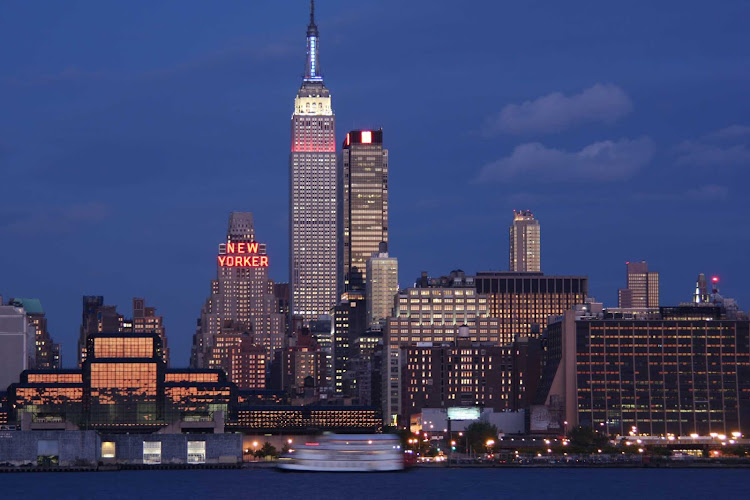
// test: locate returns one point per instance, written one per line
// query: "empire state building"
(312, 198)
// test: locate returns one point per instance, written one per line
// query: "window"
(108, 449)
(152, 452)
(196, 452)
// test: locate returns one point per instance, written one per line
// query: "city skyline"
(95, 252)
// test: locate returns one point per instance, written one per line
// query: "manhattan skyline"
(121, 161)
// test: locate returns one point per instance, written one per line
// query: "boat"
(347, 453)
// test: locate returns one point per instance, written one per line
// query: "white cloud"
(601, 161)
(602, 103)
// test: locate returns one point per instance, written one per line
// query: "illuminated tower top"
(312, 68)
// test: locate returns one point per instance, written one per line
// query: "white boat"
(347, 453)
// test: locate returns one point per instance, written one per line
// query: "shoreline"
(272, 465)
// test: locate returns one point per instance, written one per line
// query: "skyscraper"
(312, 183)
(17, 344)
(145, 320)
(47, 352)
(381, 285)
(98, 318)
(363, 205)
(643, 287)
(523, 302)
(240, 300)
(525, 246)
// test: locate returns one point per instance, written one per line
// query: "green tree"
(477, 435)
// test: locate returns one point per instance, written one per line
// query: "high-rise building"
(363, 205)
(430, 315)
(676, 370)
(17, 345)
(466, 373)
(47, 352)
(313, 192)
(145, 320)
(366, 364)
(248, 364)
(349, 322)
(525, 244)
(281, 296)
(322, 330)
(643, 287)
(381, 285)
(523, 302)
(241, 301)
(299, 368)
(98, 318)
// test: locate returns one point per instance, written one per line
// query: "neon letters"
(242, 254)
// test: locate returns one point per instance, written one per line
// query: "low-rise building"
(681, 370)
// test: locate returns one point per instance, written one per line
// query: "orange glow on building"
(366, 137)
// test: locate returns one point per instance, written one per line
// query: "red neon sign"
(242, 254)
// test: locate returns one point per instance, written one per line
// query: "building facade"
(145, 320)
(381, 285)
(525, 243)
(123, 385)
(17, 344)
(643, 287)
(523, 302)
(242, 300)
(678, 371)
(430, 315)
(313, 192)
(349, 322)
(363, 205)
(47, 352)
(465, 373)
(97, 318)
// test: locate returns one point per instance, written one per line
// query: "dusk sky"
(130, 130)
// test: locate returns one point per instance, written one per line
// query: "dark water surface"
(580, 484)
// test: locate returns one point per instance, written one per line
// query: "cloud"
(56, 219)
(601, 161)
(733, 132)
(727, 147)
(602, 103)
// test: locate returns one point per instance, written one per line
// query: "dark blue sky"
(129, 131)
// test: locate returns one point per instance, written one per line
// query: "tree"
(586, 437)
(478, 433)
(268, 450)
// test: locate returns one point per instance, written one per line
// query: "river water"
(501, 483)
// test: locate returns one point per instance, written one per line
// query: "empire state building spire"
(312, 68)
